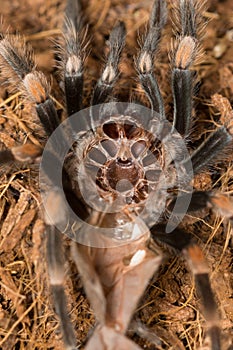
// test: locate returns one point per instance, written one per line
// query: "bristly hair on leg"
(71, 54)
(149, 41)
(71, 57)
(74, 32)
(145, 60)
(21, 68)
(188, 21)
(31, 82)
(110, 73)
(186, 52)
(187, 17)
(18, 55)
(74, 12)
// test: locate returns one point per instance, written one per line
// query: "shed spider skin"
(120, 163)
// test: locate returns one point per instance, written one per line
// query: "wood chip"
(16, 234)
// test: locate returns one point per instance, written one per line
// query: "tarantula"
(116, 177)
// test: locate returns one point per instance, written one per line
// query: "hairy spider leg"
(187, 18)
(110, 73)
(73, 55)
(209, 149)
(189, 22)
(145, 59)
(56, 269)
(184, 243)
(33, 83)
(21, 71)
(219, 202)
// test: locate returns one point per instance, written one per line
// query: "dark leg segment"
(182, 88)
(57, 275)
(187, 15)
(208, 151)
(110, 73)
(55, 218)
(73, 56)
(145, 60)
(199, 268)
(220, 203)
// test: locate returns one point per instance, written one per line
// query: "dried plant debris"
(168, 316)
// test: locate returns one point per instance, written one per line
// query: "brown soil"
(170, 307)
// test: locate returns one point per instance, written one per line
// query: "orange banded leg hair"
(187, 18)
(222, 204)
(18, 67)
(22, 72)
